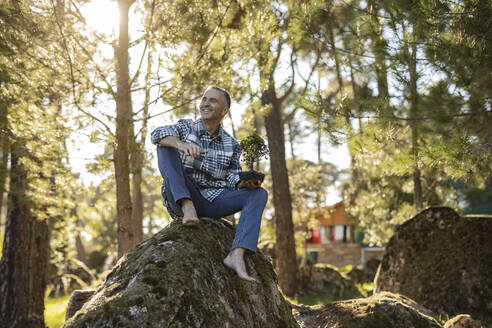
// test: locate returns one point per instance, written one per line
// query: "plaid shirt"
(218, 168)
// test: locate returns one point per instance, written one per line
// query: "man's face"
(213, 105)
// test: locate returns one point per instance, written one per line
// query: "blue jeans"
(179, 185)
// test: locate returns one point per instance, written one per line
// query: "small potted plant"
(254, 148)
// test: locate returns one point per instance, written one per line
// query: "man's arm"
(172, 136)
(187, 148)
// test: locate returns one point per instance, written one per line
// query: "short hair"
(224, 92)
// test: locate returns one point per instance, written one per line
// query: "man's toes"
(248, 278)
(190, 222)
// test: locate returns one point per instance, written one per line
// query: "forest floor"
(54, 311)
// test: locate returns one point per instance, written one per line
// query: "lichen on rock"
(177, 279)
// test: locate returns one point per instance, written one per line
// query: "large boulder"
(177, 279)
(442, 261)
(325, 280)
(380, 310)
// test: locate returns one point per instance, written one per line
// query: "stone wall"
(337, 254)
(341, 254)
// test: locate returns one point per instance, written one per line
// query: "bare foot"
(235, 261)
(190, 218)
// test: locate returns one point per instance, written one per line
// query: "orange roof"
(334, 215)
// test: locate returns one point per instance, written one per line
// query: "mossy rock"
(325, 280)
(177, 279)
(442, 261)
(361, 275)
(380, 310)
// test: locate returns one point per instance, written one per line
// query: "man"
(199, 163)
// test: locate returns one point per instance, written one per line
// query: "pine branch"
(419, 118)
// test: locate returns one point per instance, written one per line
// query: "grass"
(54, 312)
(366, 288)
(346, 268)
(1, 243)
(317, 300)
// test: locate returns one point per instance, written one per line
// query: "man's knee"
(167, 157)
(261, 194)
(165, 152)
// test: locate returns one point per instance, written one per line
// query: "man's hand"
(189, 149)
(250, 184)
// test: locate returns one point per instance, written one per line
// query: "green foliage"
(97, 210)
(346, 268)
(429, 114)
(33, 94)
(253, 148)
(319, 300)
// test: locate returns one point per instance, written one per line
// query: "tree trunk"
(123, 118)
(138, 158)
(291, 140)
(353, 161)
(256, 129)
(25, 255)
(286, 262)
(414, 108)
(378, 46)
(79, 246)
(336, 58)
(232, 124)
(150, 225)
(320, 163)
(4, 143)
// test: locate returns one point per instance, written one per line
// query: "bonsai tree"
(254, 148)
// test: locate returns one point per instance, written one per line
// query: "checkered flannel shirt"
(216, 170)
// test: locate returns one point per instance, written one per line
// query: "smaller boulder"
(463, 321)
(325, 280)
(361, 275)
(72, 275)
(380, 310)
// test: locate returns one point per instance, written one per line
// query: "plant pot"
(251, 175)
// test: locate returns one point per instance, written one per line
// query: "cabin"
(337, 240)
